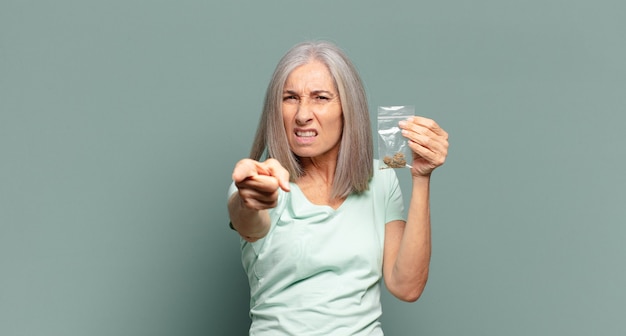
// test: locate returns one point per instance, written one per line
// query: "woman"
(321, 226)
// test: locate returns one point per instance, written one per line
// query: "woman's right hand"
(258, 182)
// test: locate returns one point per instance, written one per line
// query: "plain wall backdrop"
(120, 122)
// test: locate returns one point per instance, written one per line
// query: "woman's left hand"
(429, 144)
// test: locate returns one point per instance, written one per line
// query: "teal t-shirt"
(318, 270)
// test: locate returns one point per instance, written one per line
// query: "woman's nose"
(304, 114)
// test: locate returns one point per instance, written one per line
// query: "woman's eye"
(322, 98)
(290, 98)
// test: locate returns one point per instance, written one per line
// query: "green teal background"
(120, 122)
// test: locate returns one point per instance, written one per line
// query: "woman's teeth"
(306, 134)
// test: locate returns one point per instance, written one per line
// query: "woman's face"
(312, 113)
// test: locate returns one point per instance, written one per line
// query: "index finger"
(429, 124)
(247, 168)
(275, 169)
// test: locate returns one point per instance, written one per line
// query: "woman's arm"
(251, 224)
(407, 248)
(257, 190)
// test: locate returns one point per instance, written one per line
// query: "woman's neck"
(318, 170)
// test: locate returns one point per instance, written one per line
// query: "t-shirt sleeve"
(394, 203)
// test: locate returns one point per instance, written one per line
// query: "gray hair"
(355, 162)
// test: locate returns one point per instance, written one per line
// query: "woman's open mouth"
(306, 134)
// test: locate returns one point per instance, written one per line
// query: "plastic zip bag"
(393, 148)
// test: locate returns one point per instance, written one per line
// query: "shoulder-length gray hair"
(355, 162)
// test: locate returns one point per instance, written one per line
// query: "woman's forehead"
(311, 77)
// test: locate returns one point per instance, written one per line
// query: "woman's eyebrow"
(316, 92)
(313, 93)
